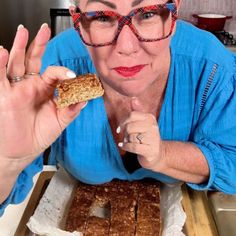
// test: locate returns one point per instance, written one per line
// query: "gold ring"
(31, 73)
(139, 137)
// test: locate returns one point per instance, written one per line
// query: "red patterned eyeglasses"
(149, 24)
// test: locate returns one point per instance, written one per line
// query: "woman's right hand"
(29, 118)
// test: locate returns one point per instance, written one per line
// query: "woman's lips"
(129, 71)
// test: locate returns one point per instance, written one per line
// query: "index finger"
(134, 116)
(36, 49)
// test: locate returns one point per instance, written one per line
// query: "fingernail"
(20, 27)
(70, 74)
(84, 105)
(44, 25)
(120, 144)
(118, 130)
(1, 47)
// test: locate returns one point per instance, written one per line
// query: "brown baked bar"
(122, 216)
(149, 191)
(80, 208)
(102, 193)
(148, 219)
(117, 208)
(80, 89)
(97, 226)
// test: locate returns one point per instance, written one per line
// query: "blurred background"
(32, 14)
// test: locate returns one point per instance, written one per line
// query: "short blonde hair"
(74, 2)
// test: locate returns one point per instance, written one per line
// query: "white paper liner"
(49, 215)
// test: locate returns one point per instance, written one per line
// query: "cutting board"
(199, 220)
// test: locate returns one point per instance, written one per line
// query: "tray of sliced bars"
(131, 208)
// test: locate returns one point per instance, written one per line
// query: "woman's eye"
(148, 15)
(102, 19)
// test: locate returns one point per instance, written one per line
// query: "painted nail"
(84, 105)
(118, 130)
(20, 27)
(70, 74)
(44, 25)
(120, 144)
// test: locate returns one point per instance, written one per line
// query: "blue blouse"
(199, 107)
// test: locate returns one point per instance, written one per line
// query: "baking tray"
(199, 220)
(224, 212)
(39, 189)
(37, 196)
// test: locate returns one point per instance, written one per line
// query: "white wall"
(225, 7)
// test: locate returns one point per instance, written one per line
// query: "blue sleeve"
(215, 136)
(23, 184)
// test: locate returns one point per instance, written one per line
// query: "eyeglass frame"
(125, 20)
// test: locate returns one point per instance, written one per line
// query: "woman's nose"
(127, 43)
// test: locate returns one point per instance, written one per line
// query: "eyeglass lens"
(148, 24)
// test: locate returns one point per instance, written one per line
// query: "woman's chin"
(129, 92)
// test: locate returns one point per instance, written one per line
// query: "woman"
(168, 111)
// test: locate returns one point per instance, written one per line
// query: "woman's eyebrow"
(136, 2)
(113, 6)
(109, 4)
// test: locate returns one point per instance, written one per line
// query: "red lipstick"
(129, 71)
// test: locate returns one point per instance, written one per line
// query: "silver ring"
(139, 137)
(15, 79)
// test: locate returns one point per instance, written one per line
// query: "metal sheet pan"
(224, 212)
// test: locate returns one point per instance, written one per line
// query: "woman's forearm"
(183, 161)
(9, 172)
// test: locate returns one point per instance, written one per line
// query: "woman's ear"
(72, 9)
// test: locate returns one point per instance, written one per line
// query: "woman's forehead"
(115, 4)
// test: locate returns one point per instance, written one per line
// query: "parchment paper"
(48, 217)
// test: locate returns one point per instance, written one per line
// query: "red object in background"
(211, 22)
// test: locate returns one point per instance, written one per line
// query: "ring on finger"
(131, 138)
(15, 79)
(139, 137)
(31, 73)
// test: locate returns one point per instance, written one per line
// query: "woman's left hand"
(142, 136)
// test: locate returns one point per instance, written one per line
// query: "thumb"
(68, 114)
(136, 105)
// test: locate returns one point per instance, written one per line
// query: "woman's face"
(129, 66)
